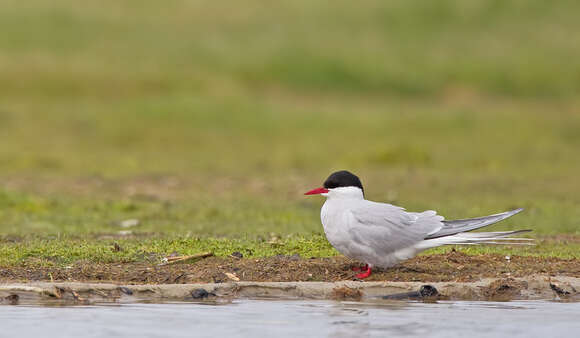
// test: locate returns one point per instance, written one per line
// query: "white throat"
(345, 193)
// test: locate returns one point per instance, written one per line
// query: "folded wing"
(387, 228)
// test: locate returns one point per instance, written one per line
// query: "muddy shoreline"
(535, 287)
(450, 267)
(455, 275)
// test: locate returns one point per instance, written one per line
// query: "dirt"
(346, 293)
(450, 267)
(504, 289)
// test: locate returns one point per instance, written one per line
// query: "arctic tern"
(381, 234)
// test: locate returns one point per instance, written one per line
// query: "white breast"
(335, 217)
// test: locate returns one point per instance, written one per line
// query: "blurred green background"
(212, 118)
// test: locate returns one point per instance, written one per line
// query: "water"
(267, 318)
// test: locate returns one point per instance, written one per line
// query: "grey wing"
(387, 228)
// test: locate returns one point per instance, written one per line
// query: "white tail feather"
(477, 238)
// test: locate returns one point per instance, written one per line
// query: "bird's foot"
(365, 274)
(358, 268)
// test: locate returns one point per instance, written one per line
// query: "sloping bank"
(503, 289)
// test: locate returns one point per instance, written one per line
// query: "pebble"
(201, 293)
(126, 290)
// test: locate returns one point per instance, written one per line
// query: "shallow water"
(267, 318)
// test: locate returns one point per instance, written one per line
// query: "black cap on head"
(342, 178)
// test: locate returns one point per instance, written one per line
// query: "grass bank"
(64, 251)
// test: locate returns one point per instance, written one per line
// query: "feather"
(463, 225)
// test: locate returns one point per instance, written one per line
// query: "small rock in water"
(562, 289)
(425, 292)
(12, 299)
(428, 291)
(201, 294)
(126, 290)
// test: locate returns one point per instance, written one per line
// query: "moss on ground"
(63, 251)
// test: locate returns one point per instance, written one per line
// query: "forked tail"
(463, 225)
(498, 237)
(456, 232)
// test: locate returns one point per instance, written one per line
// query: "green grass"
(62, 251)
(205, 119)
(51, 251)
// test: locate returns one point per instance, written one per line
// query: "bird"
(382, 235)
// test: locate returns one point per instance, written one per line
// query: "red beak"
(317, 191)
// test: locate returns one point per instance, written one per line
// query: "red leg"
(358, 268)
(365, 274)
